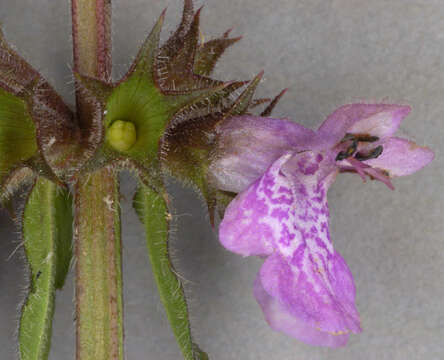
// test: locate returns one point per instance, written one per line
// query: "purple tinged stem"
(98, 288)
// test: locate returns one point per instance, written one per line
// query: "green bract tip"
(122, 135)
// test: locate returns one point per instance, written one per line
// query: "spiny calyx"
(164, 84)
(37, 129)
(190, 145)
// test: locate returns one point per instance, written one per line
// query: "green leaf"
(153, 213)
(18, 141)
(63, 218)
(47, 233)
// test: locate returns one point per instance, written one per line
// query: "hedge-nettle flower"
(282, 172)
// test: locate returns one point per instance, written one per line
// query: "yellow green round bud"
(122, 135)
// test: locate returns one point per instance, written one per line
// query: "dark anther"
(359, 137)
(352, 148)
(372, 155)
(347, 137)
(38, 275)
(342, 156)
(366, 138)
(348, 152)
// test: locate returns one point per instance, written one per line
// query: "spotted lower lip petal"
(283, 216)
(280, 319)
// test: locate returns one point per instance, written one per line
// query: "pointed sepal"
(15, 73)
(269, 109)
(187, 148)
(258, 102)
(147, 56)
(209, 53)
(92, 87)
(243, 102)
(175, 72)
(175, 42)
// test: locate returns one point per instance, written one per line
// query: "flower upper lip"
(248, 145)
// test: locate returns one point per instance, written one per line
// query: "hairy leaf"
(153, 213)
(18, 140)
(47, 235)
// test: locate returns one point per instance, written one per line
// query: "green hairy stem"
(98, 251)
(152, 209)
(98, 272)
(47, 234)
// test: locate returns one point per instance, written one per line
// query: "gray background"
(329, 52)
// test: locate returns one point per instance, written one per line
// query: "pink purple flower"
(282, 172)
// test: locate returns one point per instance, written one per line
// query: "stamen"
(366, 138)
(348, 137)
(372, 155)
(359, 137)
(341, 156)
(348, 152)
(359, 167)
(380, 175)
(352, 148)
